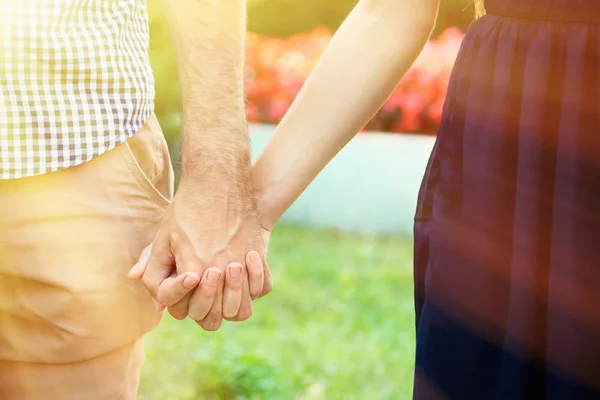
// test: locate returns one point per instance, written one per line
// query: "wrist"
(269, 208)
(220, 184)
(225, 162)
(218, 144)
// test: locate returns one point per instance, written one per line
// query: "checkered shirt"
(75, 81)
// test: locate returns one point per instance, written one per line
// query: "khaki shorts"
(71, 323)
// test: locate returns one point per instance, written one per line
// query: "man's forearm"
(209, 41)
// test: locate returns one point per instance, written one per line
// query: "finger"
(245, 311)
(203, 299)
(255, 274)
(174, 288)
(159, 306)
(186, 262)
(137, 271)
(232, 292)
(213, 320)
(267, 277)
(180, 309)
(267, 281)
(160, 266)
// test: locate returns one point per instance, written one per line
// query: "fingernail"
(190, 281)
(235, 271)
(213, 277)
(254, 258)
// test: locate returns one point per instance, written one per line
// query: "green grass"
(339, 325)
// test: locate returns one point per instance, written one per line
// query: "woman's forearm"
(360, 68)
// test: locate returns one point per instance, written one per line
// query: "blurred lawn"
(339, 325)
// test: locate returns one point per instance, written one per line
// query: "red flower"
(276, 69)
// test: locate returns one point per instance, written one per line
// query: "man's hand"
(219, 232)
(175, 288)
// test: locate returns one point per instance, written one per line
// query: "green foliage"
(164, 67)
(339, 325)
(287, 17)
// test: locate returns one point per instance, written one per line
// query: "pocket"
(425, 196)
(445, 145)
(420, 264)
(147, 157)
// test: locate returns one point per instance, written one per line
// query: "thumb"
(137, 271)
(159, 267)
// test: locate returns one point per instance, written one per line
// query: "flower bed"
(277, 68)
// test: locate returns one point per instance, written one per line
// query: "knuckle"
(256, 293)
(196, 314)
(254, 271)
(208, 293)
(159, 306)
(234, 284)
(199, 312)
(267, 288)
(245, 312)
(244, 316)
(177, 314)
(169, 296)
(149, 285)
(210, 325)
(230, 319)
(167, 302)
(164, 298)
(146, 280)
(211, 328)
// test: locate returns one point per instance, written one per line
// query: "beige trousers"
(71, 323)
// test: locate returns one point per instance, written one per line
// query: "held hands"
(208, 259)
(174, 288)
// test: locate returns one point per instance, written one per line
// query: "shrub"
(283, 18)
(277, 68)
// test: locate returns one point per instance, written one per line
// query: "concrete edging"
(370, 187)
